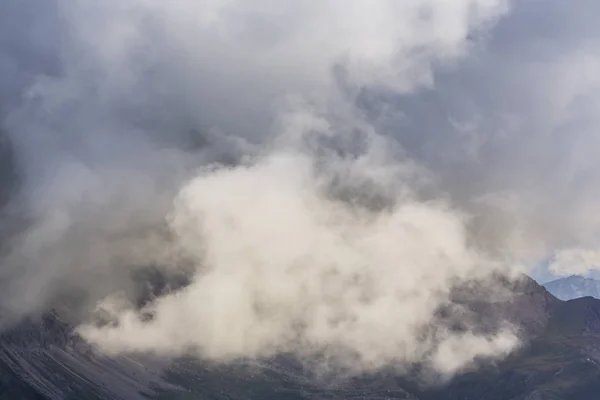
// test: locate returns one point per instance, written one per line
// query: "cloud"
(509, 128)
(574, 261)
(316, 176)
(283, 267)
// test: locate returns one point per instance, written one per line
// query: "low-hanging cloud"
(282, 267)
(321, 174)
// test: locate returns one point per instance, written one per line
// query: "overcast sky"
(314, 169)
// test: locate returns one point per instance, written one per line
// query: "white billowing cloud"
(282, 267)
(458, 350)
(575, 261)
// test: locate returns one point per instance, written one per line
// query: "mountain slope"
(41, 359)
(573, 287)
(562, 362)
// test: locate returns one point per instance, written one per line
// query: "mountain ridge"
(573, 287)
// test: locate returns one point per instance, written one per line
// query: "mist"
(310, 178)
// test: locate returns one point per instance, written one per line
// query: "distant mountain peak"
(573, 287)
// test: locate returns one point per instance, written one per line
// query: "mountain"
(41, 359)
(561, 362)
(573, 287)
(560, 359)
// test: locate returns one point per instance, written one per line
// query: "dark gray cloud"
(512, 125)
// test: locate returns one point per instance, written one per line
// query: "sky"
(308, 177)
